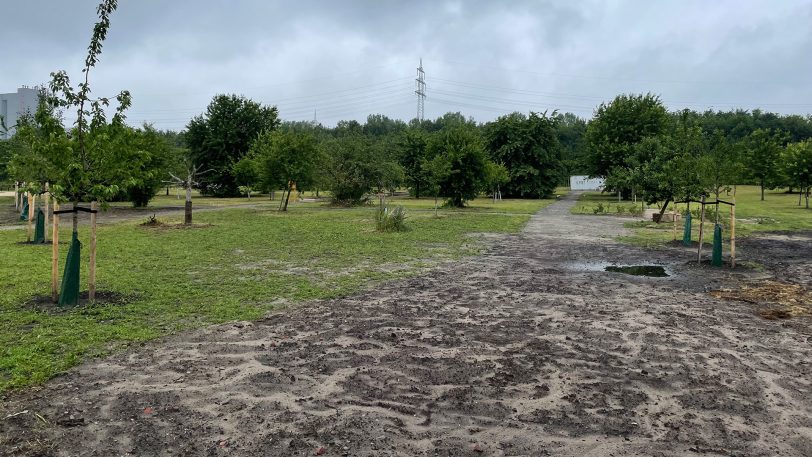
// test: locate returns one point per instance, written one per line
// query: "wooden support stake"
(47, 197)
(674, 218)
(91, 276)
(16, 196)
(30, 214)
(55, 257)
(733, 231)
(701, 230)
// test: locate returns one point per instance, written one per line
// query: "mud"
(517, 352)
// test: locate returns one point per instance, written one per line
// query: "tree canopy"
(222, 136)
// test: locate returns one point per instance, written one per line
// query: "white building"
(584, 183)
(15, 104)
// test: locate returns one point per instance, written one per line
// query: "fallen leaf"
(321, 450)
(149, 410)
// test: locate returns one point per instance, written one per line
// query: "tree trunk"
(287, 199)
(417, 190)
(662, 210)
(187, 213)
(167, 191)
(762, 190)
(807, 198)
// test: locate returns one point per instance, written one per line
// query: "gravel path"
(528, 350)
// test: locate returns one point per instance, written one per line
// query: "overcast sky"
(483, 58)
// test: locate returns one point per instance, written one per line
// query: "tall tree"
(528, 147)
(221, 136)
(412, 147)
(459, 163)
(615, 130)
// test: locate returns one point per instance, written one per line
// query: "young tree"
(796, 165)
(761, 155)
(86, 163)
(348, 166)
(719, 166)
(285, 159)
(496, 176)
(150, 156)
(246, 174)
(459, 163)
(221, 136)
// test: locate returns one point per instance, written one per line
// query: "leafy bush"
(599, 209)
(390, 220)
(620, 209)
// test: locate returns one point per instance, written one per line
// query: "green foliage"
(720, 165)
(285, 158)
(458, 164)
(222, 136)
(349, 168)
(94, 160)
(528, 146)
(496, 176)
(761, 156)
(149, 155)
(571, 132)
(412, 148)
(796, 164)
(615, 131)
(390, 219)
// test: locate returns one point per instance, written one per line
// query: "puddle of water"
(655, 271)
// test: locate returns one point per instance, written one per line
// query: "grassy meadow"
(237, 263)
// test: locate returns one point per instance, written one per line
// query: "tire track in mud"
(518, 352)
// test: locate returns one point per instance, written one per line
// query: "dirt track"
(528, 350)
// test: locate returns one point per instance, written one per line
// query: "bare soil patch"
(517, 352)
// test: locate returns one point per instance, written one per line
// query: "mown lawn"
(239, 264)
(778, 212)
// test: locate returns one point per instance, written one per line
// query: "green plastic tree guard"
(39, 231)
(24, 212)
(69, 293)
(716, 258)
(686, 234)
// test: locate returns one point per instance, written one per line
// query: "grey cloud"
(484, 58)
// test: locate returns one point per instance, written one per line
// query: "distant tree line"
(634, 142)
(642, 149)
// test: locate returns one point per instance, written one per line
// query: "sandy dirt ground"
(530, 349)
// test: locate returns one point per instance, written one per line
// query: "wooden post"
(733, 231)
(55, 257)
(30, 214)
(17, 196)
(91, 276)
(674, 218)
(701, 230)
(47, 197)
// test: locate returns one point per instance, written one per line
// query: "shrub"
(599, 209)
(390, 220)
(620, 209)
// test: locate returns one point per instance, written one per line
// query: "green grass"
(245, 263)
(588, 202)
(779, 212)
